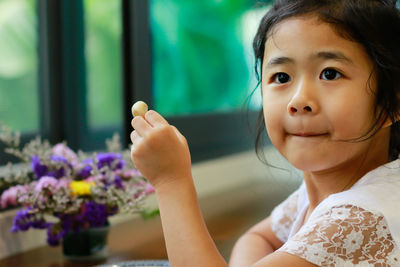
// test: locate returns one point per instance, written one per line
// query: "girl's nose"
(306, 109)
(303, 101)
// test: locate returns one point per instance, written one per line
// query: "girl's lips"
(308, 134)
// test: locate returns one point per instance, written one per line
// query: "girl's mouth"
(308, 134)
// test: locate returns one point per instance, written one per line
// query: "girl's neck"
(324, 183)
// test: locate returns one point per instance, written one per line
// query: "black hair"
(375, 24)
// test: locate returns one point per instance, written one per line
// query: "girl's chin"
(309, 163)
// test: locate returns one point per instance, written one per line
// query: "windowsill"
(234, 182)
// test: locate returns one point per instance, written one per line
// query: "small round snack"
(139, 108)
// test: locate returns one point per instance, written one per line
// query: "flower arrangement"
(61, 191)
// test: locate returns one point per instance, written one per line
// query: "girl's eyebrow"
(279, 61)
(335, 55)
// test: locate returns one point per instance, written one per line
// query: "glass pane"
(103, 59)
(19, 65)
(202, 58)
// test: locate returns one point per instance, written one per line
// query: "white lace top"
(357, 227)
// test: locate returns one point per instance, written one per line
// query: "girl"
(330, 79)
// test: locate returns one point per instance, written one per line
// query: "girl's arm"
(256, 248)
(161, 153)
(186, 235)
(255, 244)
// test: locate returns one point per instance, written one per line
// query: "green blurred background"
(202, 60)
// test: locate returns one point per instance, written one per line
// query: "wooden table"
(224, 228)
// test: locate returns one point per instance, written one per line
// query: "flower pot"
(86, 245)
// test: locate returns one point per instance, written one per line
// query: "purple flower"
(65, 152)
(85, 170)
(9, 196)
(113, 160)
(95, 213)
(55, 234)
(113, 211)
(60, 172)
(56, 158)
(40, 224)
(118, 182)
(42, 170)
(46, 182)
(22, 220)
(39, 169)
(71, 222)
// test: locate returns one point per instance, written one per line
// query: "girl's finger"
(141, 126)
(155, 119)
(135, 138)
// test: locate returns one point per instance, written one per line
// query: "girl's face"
(318, 92)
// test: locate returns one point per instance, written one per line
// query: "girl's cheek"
(350, 121)
(273, 122)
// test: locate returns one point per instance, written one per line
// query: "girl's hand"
(159, 150)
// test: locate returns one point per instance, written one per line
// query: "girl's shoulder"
(345, 235)
(378, 192)
(284, 216)
(357, 226)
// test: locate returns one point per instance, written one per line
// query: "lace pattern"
(345, 236)
(283, 216)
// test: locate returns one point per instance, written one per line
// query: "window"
(199, 62)
(103, 57)
(18, 65)
(75, 67)
(19, 94)
(81, 71)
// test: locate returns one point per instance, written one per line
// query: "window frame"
(63, 89)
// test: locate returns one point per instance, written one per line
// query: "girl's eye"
(330, 74)
(281, 77)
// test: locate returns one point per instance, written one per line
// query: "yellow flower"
(81, 188)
